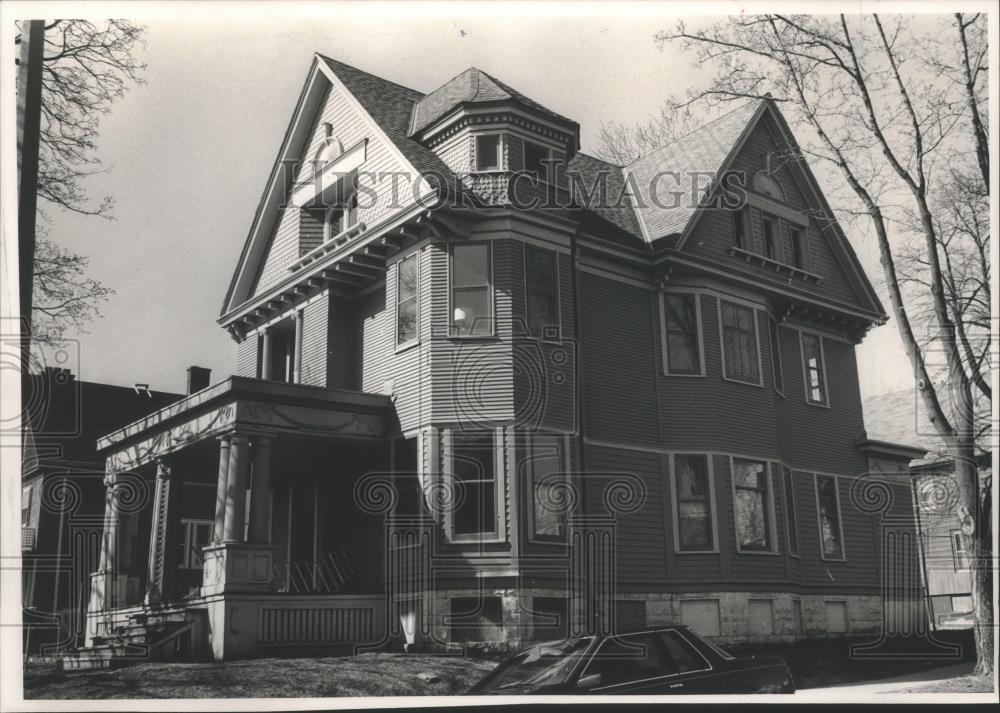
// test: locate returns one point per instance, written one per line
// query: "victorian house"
(490, 389)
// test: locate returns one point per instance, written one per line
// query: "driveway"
(896, 684)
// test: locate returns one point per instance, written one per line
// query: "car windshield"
(540, 665)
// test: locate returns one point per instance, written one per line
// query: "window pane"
(471, 310)
(682, 334)
(750, 474)
(470, 265)
(812, 356)
(534, 158)
(681, 656)
(407, 278)
(475, 488)
(770, 238)
(473, 457)
(407, 321)
(739, 228)
(476, 510)
(739, 342)
(487, 152)
(540, 289)
(752, 517)
(829, 516)
(694, 525)
(632, 658)
(545, 466)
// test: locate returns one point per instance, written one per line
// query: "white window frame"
(775, 348)
(825, 403)
(722, 340)
(500, 152)
(959, 550)
(400, 346)
(498, 534)
(524, 268)
(712, 504)
(699, 325)
(490, 291)
(772, 519)
(186, 530)
(791, 513)
(563, 455)
(349, 209)
(819, 518)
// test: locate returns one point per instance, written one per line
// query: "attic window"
(488, 153)
(340, 217)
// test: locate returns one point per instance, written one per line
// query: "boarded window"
(406, 299)
(488, 153)
(778, 376)
(475, 512)
(702, 615)
(761, 615)
(471, 290)
(739, 343)
(541, 292)
(695, 529)
(812, 359)
(831, 535)
(753, 519)
(790, 512)
(836, 617)
(683, 346)
(475, 619)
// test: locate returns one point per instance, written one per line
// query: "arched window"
(762, 183)
(340, 217)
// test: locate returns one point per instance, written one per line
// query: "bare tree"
(896, 107)
(85, 67)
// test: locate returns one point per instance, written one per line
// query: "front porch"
(230, 515)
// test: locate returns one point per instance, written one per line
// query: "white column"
(109, 542)
(221, 490)
(265, 358)
(161, 540)
(260, 495)
(236, 489)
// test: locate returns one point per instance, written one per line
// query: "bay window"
(471, 290)
(541, 286)
(681, 325)
(474, 473)
(815, 372)
(406, 300)
(694, 503)
(545, 465)
(753, 505)
(741, 351)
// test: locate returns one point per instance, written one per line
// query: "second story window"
(815, 372)
(471, 290)
(406, 300)
(279, 350)
(488, 153)
(541, 287)
(740, 348)
(681, 324)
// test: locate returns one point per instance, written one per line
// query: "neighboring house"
(457, 418)
(945, 554)
(62, 495)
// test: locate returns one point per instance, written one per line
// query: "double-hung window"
(753, 505)
(815, 372)
(828, 508)
(471, 290)
(681, 324)
(770, 238)
(694, 498)
(740, 346)
(473, 465)
(544, 461)
(541, 287)
(406, 300)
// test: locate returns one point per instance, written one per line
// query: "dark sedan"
(667, 660)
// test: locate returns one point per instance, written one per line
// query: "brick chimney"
(198, 378)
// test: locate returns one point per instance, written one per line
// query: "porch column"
(265, 359)
(236, 489)
(260, 495)
(162, 539)
(222, 488)
(109, 541)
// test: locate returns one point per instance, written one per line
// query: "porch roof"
(248, 405)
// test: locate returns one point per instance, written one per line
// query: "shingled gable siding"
(350, 127)
(713, 235)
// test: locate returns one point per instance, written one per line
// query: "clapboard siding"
(246, 357)
(342, 345)
(315, 336)
(619, 360)
(350, 127)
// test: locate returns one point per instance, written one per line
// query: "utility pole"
(29, 104)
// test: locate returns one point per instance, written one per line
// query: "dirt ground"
(364, 675)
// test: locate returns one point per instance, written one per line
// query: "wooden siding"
(315, 341)
(350, 127)
(246, 357)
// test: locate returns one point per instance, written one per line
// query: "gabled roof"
(687, 159)
(471, 86)
(601, 190)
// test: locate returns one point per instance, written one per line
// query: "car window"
(541, 665)
(628, 658)
(682, 656)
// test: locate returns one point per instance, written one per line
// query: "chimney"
(198, 378)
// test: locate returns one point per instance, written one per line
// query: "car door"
(630, 663)
(693, 672)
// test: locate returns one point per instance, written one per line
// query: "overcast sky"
(189, 152)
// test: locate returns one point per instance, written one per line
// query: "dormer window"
(488, 156)
(340, 217)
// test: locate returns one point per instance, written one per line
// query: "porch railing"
(325, 576)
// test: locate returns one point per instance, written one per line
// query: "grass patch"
(373, 674)
(963, 684)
